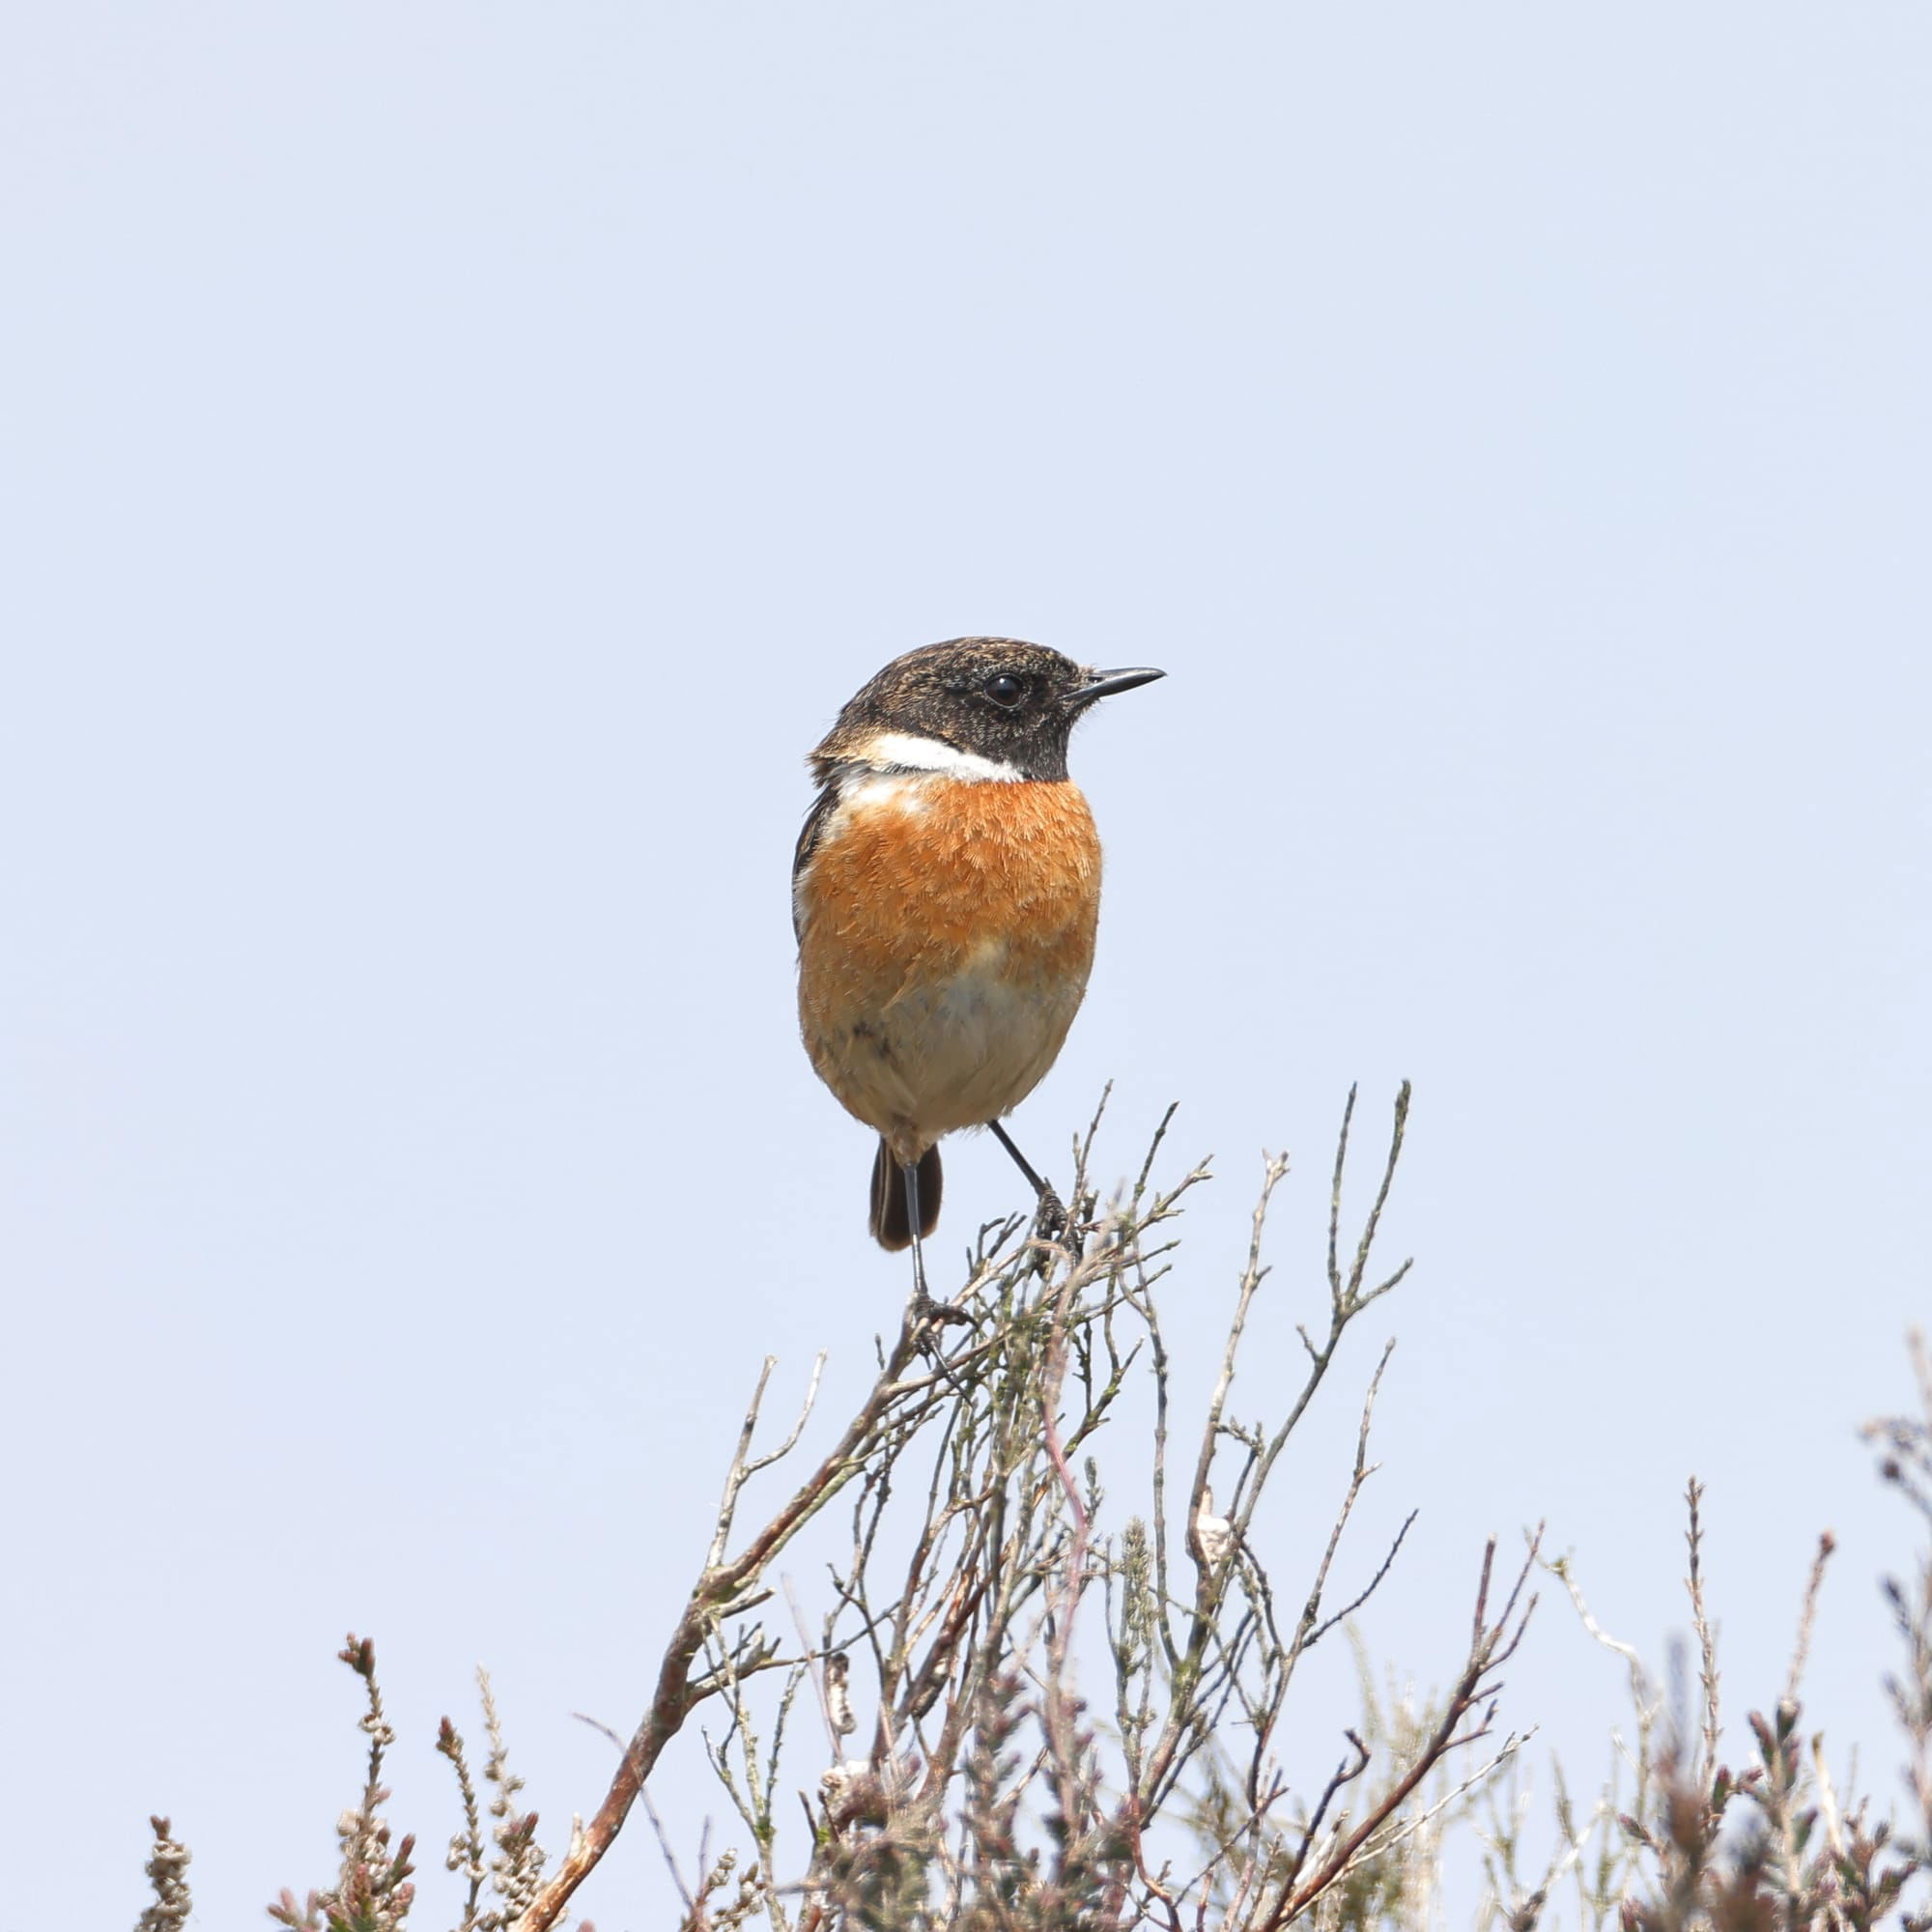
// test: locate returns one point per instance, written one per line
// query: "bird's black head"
(1008, 704)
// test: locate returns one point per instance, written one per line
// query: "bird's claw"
(1054, 1226)
(927, 1313)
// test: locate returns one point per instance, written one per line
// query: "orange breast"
(916, 880)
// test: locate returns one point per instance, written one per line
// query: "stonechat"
(945, 894)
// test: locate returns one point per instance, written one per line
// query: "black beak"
(1106, 683)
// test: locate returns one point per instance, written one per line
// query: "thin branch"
(718, 1584)
(1814, 1583)
(1707, 1637)
(1492, 1644)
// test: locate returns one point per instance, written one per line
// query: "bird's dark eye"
(1003, 688)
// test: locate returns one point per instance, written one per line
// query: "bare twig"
(1707, 1637)
(721, 1581)
(1492, 1642)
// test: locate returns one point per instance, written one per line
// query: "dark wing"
(810, 833)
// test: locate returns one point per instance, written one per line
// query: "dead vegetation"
(1036, 1708)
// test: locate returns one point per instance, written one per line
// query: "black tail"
(890, 1227)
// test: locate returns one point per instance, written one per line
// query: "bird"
(945, 892)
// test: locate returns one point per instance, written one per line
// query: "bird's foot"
(928, 1314)
(926, 1322)
(1053, 1224)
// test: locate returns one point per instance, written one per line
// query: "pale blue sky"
(457, 459)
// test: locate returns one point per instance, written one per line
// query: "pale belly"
(953, 1053)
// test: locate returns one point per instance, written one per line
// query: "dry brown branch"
(1206, 1671)
(967, 1789)
(1492, 1642)
(964, 1786)
(722, 1583)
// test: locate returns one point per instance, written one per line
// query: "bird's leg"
(929, 1313)
(910, 1169)
(1053, 1219)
